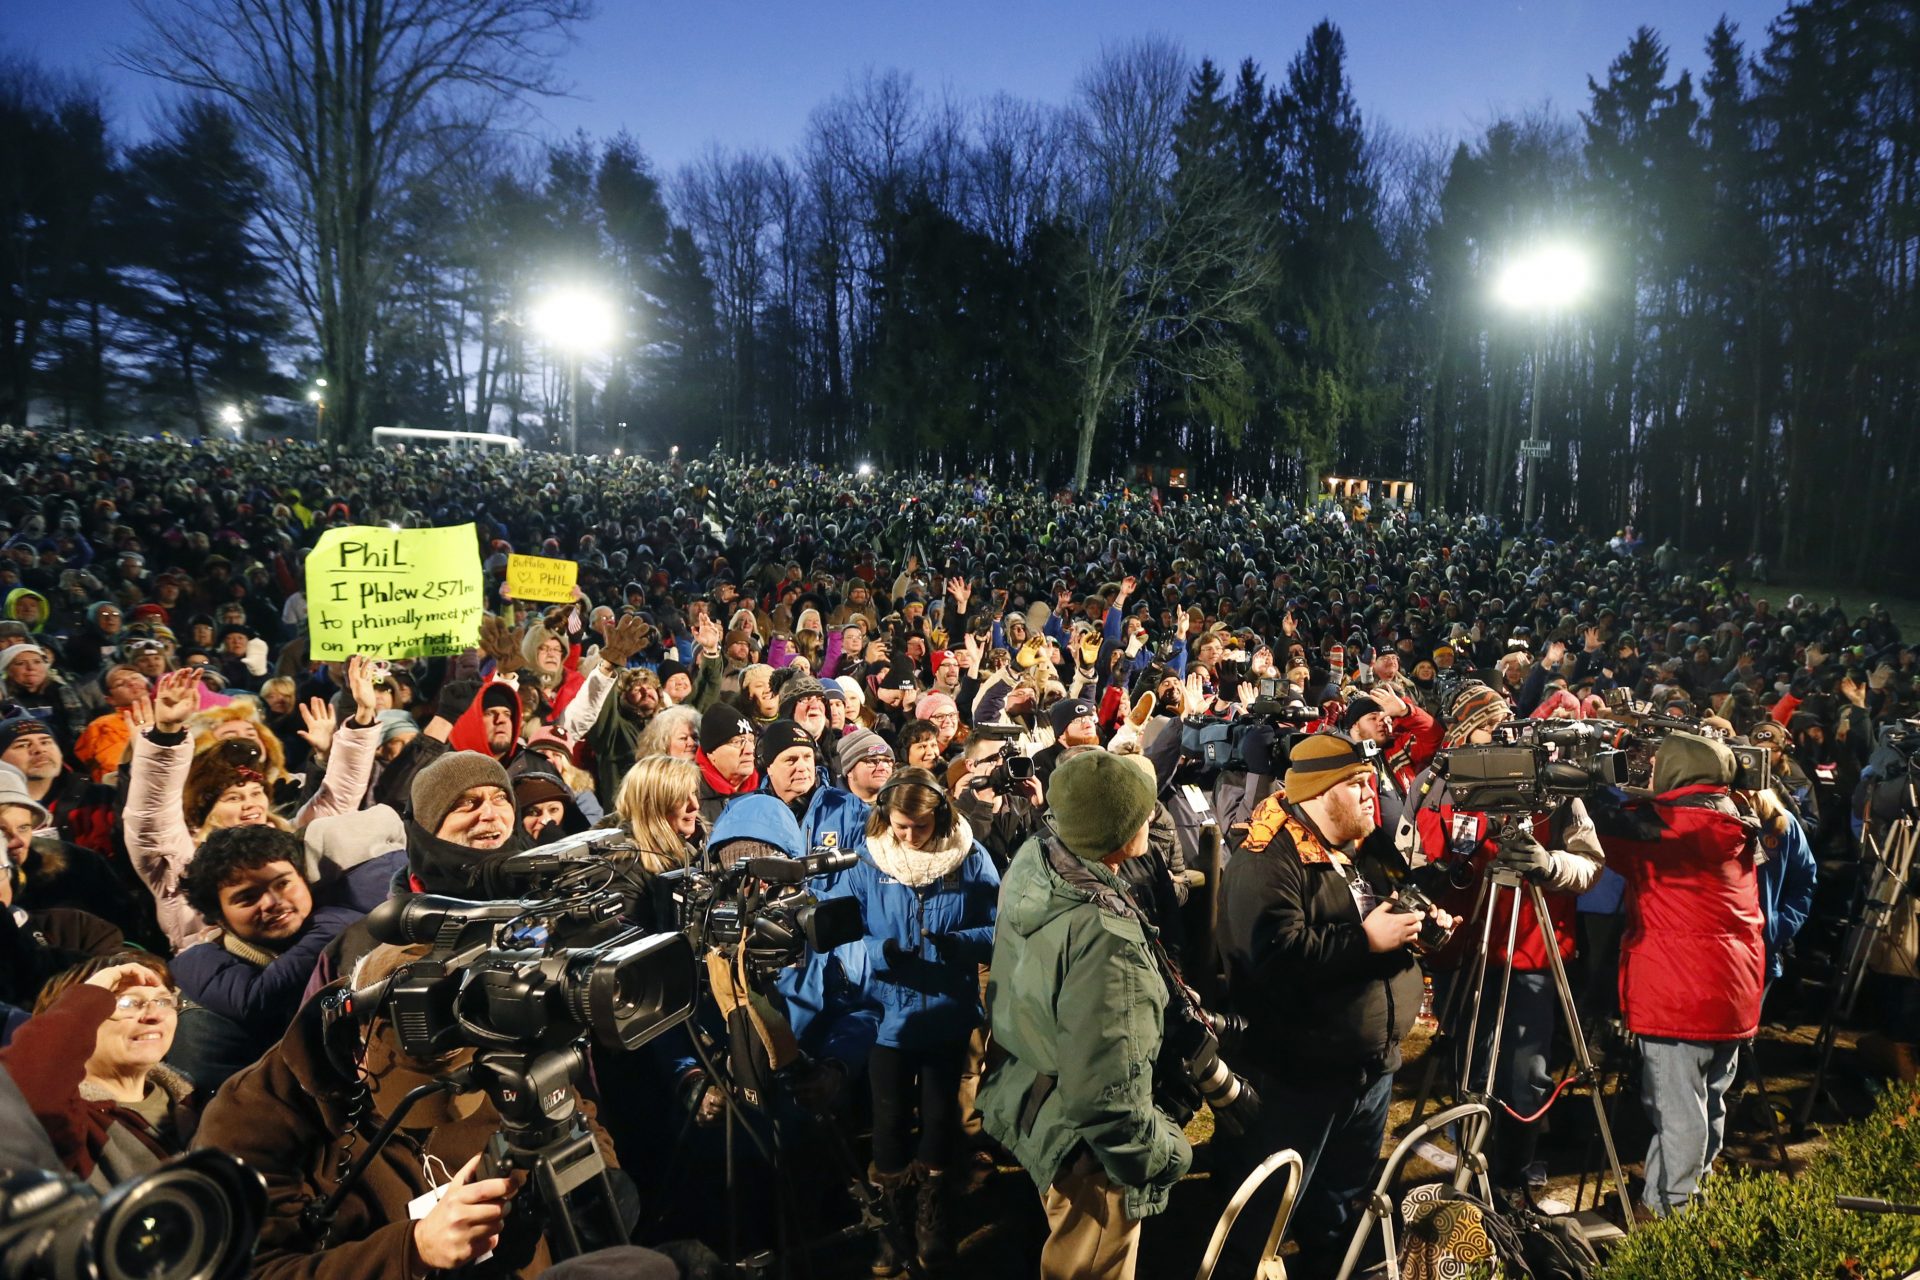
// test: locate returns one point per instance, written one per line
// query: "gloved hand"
(256, 660)
(455, 697)
(1240, 1115)
(1521, 853)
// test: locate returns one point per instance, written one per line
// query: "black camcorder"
(1540, 762)
(529, 973)
(761, 904)
(1013, 768)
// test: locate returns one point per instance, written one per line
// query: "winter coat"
(57, 705)
(1464, 842)
(162, 848)
(97, 1138)
(286, 1115)
(714, 791)
(257, 990)
(1321, 1006)
(1693, 957)
(1076, 999)
(1788, 874)
(935, 905)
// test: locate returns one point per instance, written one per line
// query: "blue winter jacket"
(1786, 885)
(937, 907)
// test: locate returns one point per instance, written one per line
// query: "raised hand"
(318, 716)
(175, 698)
(623, 640)
(366, 702)
(501, 643)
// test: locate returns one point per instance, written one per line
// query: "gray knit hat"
(1099, 801)
(859, 745)
(440, 785)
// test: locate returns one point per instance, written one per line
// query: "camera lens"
(178, 1226)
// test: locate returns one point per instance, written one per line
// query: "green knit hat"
(1099, 801)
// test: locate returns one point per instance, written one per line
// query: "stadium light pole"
(1540, 283)
(575, 322)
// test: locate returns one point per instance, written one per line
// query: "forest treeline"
(1187, 262)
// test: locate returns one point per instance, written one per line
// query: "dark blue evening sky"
(679, 76)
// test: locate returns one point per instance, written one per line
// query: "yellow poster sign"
(541, 578)
(394, 593)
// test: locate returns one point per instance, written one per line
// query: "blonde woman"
(674, 731)
(659, 805)
(175, 798)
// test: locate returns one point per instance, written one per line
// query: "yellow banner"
(394, 593)
(541, 578)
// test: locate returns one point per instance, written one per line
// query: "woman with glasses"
(90, 1064)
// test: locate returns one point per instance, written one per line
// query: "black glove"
(455, 697)
(1237, 1117)
(1520, 852)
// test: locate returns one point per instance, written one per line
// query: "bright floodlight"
(313, 396)
(575, 320)
(230, 414)
(1544, 279)
(866, 469)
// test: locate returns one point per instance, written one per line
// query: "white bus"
(457, 441)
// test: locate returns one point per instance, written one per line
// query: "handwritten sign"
(394, 593)
(541, 578)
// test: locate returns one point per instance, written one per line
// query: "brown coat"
(284, 1115)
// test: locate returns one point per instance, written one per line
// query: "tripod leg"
(1449, 1010)
(1479, 988)
(1581, 1057)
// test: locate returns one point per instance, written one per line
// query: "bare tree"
(349, 102)
(1170, 260)
(728, 200)
(1013, 170)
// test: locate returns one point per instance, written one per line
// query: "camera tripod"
(1499, 880)
(1892, 854)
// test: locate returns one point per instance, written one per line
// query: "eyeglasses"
(132, 1006)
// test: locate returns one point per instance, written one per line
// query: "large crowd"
(1028, 714)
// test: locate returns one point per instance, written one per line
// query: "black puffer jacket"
(1321, 1007)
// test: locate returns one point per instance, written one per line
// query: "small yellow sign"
(541, 578)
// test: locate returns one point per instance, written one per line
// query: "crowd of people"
(1025, 712)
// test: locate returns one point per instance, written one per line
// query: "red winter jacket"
(1693, 958)
(1458, 837)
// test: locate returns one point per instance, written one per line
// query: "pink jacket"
(155, 822)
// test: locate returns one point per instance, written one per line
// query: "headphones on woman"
(918, 778)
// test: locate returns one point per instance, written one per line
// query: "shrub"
(1766, 1226)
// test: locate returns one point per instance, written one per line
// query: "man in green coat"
(1076, 1001)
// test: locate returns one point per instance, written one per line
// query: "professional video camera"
(526, 985)
(1532, 763)
(761, 904)
(1014, 768)
(1752, 766)
(196, 1217)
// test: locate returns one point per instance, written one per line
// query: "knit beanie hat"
(1319, 763)
(1687, 759)
(798, 690)
(226, 764)
(1358, 709)
(13, 790)
(1099, 802)
(1474, 707)
(720, 725)
(859, 745)
(15, 727)
(1066, 711)
(14, 651)
(778, 736)
(392, 724)
(439, 786)
(933, 704)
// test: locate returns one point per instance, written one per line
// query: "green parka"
(1075, 995)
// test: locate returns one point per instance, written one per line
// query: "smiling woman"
(114, 1020)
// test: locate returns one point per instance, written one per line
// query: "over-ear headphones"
(919, 778)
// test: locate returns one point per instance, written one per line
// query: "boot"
(932, 1225)
(891, 1189)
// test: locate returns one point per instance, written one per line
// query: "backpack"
(1451, 1233)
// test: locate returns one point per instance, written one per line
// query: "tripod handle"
(1872, 1204)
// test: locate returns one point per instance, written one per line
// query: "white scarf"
(917, 867)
